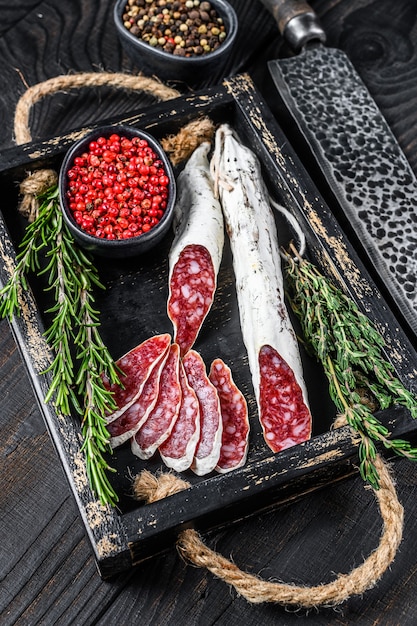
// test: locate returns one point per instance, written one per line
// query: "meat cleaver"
(355, 148)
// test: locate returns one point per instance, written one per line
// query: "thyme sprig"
(27, 260)
(351, 351)
(74, 328)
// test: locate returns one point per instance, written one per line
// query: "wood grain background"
(47, 575)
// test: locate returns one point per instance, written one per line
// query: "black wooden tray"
(133, 307)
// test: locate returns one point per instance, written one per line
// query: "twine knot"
(340, 421)
(34, 185)
(151, 488)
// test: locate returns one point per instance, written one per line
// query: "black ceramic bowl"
(166, 66)
(116, 248)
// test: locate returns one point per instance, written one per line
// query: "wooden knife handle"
(297, 22)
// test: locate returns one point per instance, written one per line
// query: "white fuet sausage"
(196, 251)
(270, 340)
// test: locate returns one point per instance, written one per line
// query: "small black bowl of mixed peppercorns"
(177, 40)
(117, 191)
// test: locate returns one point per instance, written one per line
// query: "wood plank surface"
(47, 574)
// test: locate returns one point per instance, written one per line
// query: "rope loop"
(255, 590)
(178, 147)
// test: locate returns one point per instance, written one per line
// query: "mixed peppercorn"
(118, 188)
(185, 28)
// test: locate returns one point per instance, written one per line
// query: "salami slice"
(264, 318)
(136, 366)
(196, 251)
(161, 419)
(178, 450)
(122, 428)
(208, 448)
(281, 398)
(234, 412)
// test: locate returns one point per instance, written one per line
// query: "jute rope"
(77, 81)
(178, 147)
(255, 590)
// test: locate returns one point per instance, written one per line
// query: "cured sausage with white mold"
(267, 331)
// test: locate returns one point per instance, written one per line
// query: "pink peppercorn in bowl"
(117, 192)
(172, 49)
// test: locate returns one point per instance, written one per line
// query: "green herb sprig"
(351, 351)
(93, 358)
(71, 277)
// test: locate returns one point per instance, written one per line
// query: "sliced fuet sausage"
(192, 287)
(178, 450)
(161, 419)
(234, 412)
(285, 418)
(208, 448)
(122, 428)
(196, 251)
(136, 366)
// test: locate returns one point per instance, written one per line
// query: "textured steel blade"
(362, 162)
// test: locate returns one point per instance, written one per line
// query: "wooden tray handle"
(77, 81)
(148, 487)
(178, 147)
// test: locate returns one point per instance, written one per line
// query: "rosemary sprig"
(58, 335)
(351, 351)
(94, 359)
(71, 278)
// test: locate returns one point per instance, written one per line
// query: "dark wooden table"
(46, 568)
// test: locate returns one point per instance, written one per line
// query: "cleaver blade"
(355, 148)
